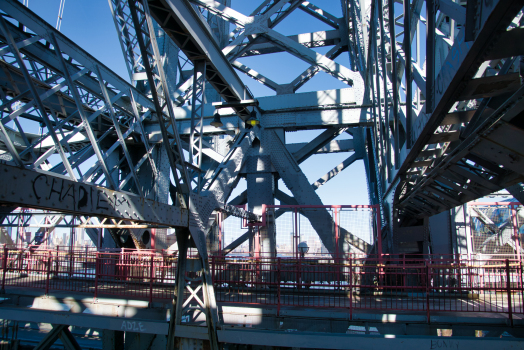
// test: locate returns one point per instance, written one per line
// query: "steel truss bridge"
(433, 107)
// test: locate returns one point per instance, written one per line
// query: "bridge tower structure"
(433, 107)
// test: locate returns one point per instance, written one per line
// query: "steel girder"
(184, 26)
(106, 114)
(76, 99)
(471, 166)
(254, 35)
(441, 148)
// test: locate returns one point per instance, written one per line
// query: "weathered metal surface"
(50, 191)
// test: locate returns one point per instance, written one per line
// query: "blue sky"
(90, 25)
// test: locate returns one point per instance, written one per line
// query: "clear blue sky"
(90, 25)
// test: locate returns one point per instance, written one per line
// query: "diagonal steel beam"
(336, 170)
(36, 96)
(50, 337)
(305, 194)
(308, 55)
(185, 27)
(318, 142)
(161, 96)
(256, 75)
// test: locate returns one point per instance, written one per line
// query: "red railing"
(134, 274)
(390, 283)
(399, 284)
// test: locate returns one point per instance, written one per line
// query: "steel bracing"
(433, 106)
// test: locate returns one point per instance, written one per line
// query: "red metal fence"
(391, 283)
(133, 274)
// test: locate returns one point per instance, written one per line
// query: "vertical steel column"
(407, 71)
(220, 233)
(178, 297)
(380, 127)
(97, 272)
(197, 122)
(153, 239)
(160, 93)
(209, 304)
(385, 86)
(430, 53)
(350, 287)
(337, 227)
(394, 82)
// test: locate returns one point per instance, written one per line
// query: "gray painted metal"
(335, 171)
(190, 34)
(50, 337)
(304, 194)
(54, 192)
(86, 320)
(317, 340)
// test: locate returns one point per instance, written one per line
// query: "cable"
(60, 14)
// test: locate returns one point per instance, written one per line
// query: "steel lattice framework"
(434, 106)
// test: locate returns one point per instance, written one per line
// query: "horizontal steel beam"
(264, 46)
(309, 110)
(318, 340)
(334, 146)
(45, 190)
(86, 320)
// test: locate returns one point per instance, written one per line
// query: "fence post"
(278, 286)
(213, 274)
(508, 289)
(97, 271)
(520, 283)
(427, 292)
(48, 272)
(350, 287)
(57, 271)
(151, 280)
(516, 235)
(4, 268)
(298, 271)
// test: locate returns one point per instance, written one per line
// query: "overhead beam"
(309, 110)
(263, 46)
(336, 170)
(289, 121)
(334, 146)
(331, 67)
(185, 27)
(314, 145)
(49, 191)
(460, 65)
